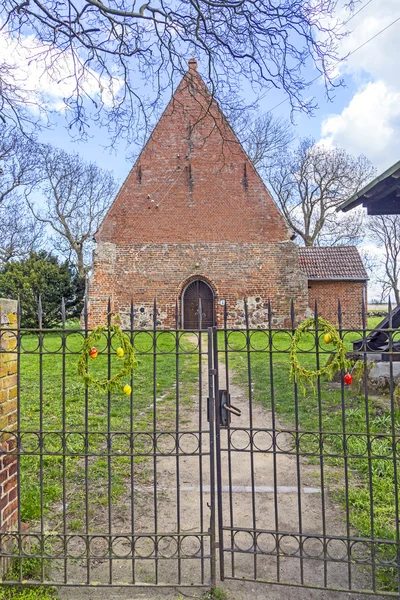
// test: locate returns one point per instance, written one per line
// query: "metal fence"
(217, 465)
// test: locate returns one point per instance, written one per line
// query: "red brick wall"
(193, 205)
(234, 272)
(327, 293)
(8, 416)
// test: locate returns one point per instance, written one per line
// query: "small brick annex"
(194, 209)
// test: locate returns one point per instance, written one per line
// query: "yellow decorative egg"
(120, 352)
(127, 390)
(327, 338)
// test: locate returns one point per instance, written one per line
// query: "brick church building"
(194, 220)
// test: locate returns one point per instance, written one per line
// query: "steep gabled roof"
(337, 263)
(193, 181)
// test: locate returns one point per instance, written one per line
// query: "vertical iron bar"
(86, 421)
(393, 433)
(40, 319)
(155, 435)
(177, 447)
(253, 493)
(345, 457)
(320, 440)
(274, 445)
(109, 463)
(19, 445)
(214, 452)
(64, 428)
(132, 446)
(368, 432)
(201, 500)
(200, 315)
(228, 441)
(297, 426)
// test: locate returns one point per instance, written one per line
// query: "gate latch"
(226, 408)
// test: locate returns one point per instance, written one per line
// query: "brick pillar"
(8, 415)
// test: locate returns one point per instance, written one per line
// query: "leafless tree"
(20, 233)
(385, 232)
(265, 138)
(308, 186)
(20, 160)
(77, 195)
(119, 57)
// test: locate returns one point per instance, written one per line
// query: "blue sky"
(363, 117)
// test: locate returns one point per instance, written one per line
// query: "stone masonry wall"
(255, 272)
(8, 420)
(350, 293)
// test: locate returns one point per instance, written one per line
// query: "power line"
(356, 13)
(341, 60)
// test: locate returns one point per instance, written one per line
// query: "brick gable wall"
(194, 206)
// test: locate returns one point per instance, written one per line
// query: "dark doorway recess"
(198, 305)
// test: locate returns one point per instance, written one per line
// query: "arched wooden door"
(198, 294)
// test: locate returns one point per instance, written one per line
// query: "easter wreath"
(124, 350)
(335, 363)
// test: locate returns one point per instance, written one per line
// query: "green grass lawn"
(371, 480)
(58, 402)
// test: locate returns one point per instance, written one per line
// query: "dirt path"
(271, 511)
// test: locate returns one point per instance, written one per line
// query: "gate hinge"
(213, 371)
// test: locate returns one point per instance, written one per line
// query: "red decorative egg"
(348, 379)
(93, 352)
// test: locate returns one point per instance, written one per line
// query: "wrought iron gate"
(307, 484)
(215, 454)
(114, 490)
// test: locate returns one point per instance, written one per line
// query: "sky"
(363, 116)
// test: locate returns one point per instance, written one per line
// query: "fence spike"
(131, 313)
(269, 313)
(225, 316)
(246, 314)
(40, 312)
(85, 312)
(155, 313)
(390, 313)
(292, 314)
(200, 315)
(339, 312)
(176, 314)
(363, 312)
(316, 313)
(63, 316)
(109, 311)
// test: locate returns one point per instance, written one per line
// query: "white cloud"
(46, 76)
(370, 123)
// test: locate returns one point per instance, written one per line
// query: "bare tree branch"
(20, 233)
(20, 160)
(385, 231)
(109, 51)
(77, 195)
(310, 183)
(266, 138)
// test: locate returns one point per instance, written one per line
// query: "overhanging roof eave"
(357, 198)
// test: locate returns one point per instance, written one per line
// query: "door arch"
(197, 293)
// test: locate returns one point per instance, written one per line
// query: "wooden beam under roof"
(381, 196)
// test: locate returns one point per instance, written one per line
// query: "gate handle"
(232, 409)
